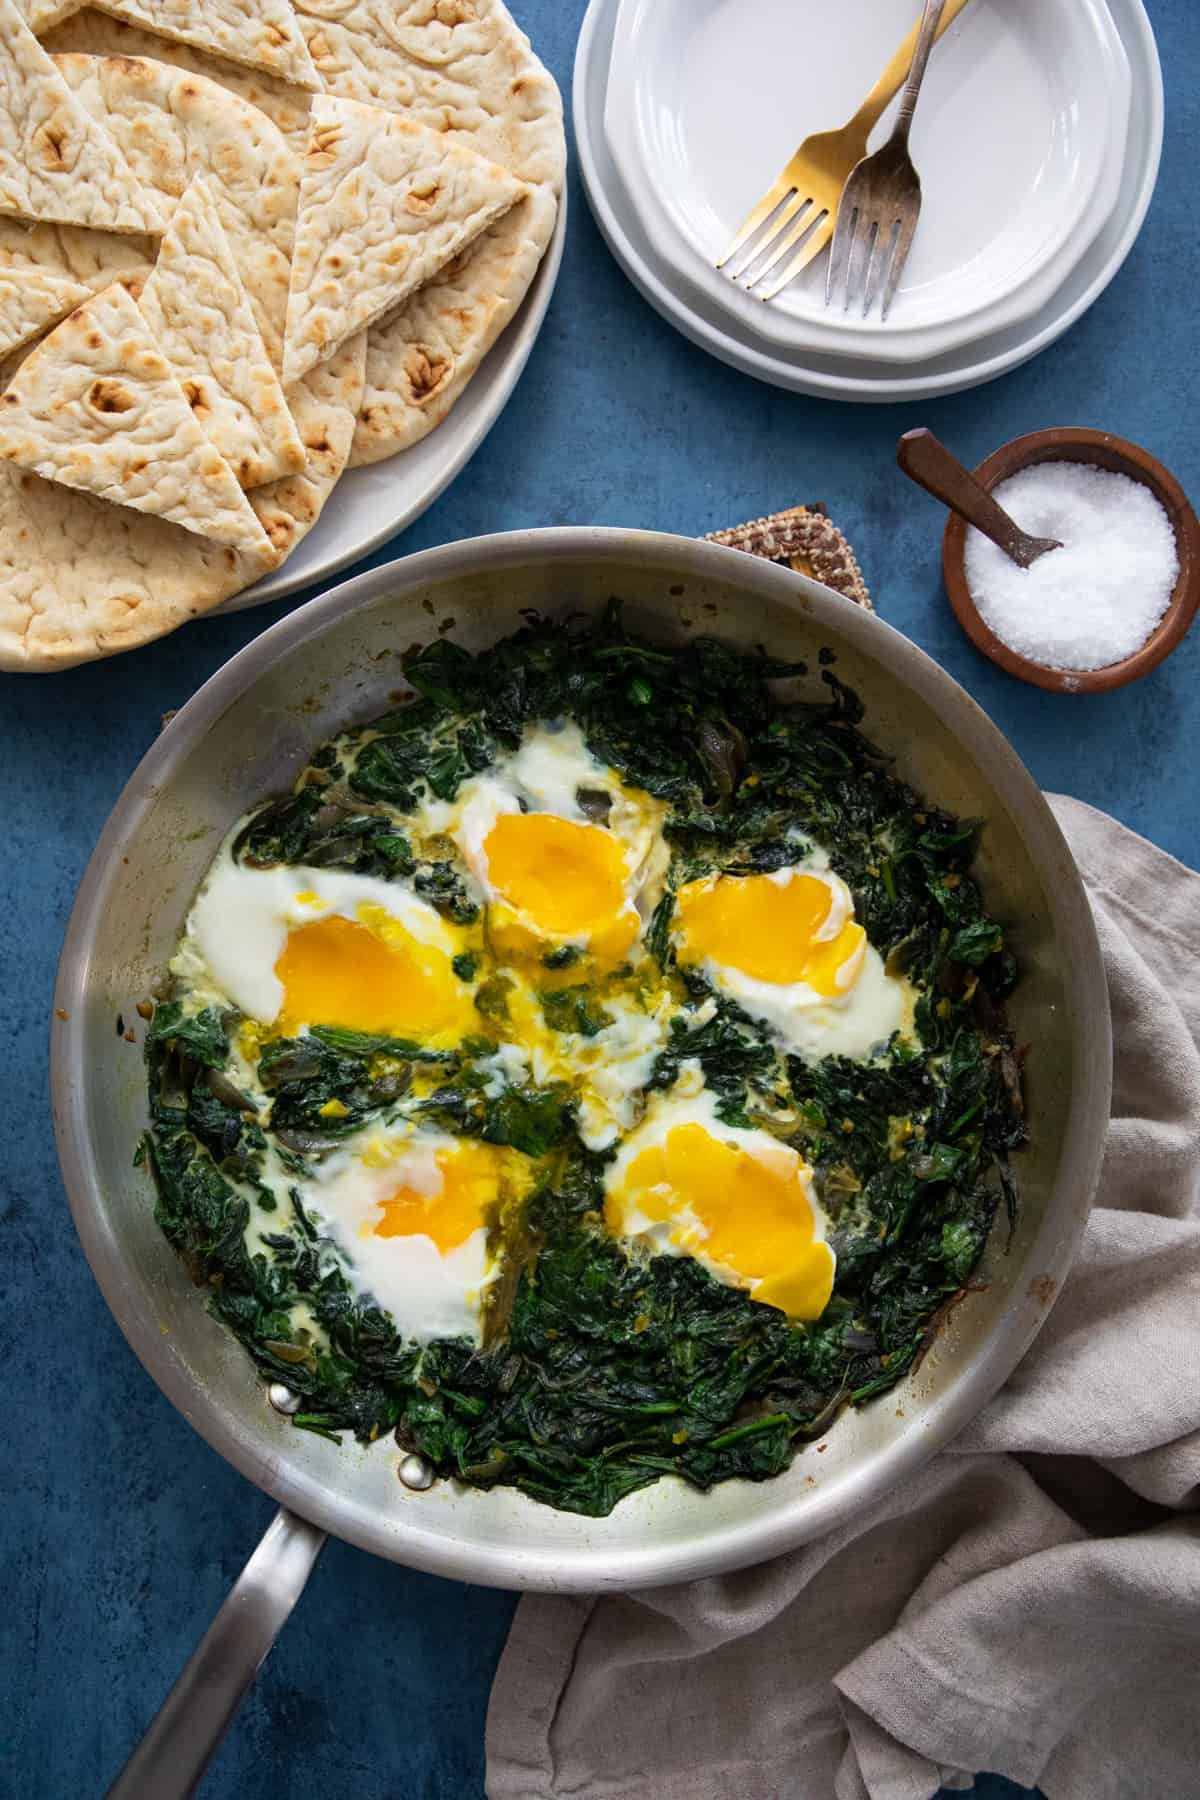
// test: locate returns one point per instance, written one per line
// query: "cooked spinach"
(574, 1009)
(199, 1036)
(604, 1370)
(530, 1119)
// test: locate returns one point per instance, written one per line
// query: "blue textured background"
(121, 1530)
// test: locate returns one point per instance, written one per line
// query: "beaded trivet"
(803, 538)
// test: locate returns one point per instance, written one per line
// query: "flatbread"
(32, 300)
(96, 407)
(95, 32)
(93, 258)
(42, 15)
(175, 122)
(260, 33)
(200, 315)
(420, 360)
(56, 163)
(171, 124)
(80, 578)
(384, 204)
(325, 407)
(462, 67)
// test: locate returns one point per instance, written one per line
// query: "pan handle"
(192, 1720)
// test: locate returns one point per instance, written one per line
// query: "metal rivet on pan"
(282, 1398)
(416, 1473)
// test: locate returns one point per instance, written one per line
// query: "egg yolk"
(369, 974)
(769, 929)
(564, 879)
(750, 1217)
(470, 1187)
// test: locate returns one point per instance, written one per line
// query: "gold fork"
(804, 198)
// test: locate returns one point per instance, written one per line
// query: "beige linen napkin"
(1029, 1604)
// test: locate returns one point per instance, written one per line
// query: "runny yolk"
(768, 929)
(750, 1217)
(336, 971)
(567, 880)
(470, 1185)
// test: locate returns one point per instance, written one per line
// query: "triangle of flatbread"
(30, 301)
(384, 204)
(96, 407)
(260, 34)
(56, 163)
(199, 313)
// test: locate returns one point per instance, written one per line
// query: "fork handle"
(930, 20)
(893, 77)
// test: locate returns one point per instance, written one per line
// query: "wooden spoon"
(926, 460)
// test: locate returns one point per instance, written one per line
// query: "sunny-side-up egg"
(736, 1200)
(294, 947)
(566, 856)
(788, 949)
(569, 862)
(411, 1212)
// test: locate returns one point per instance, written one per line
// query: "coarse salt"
(1095, 601)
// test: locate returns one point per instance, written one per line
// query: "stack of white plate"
(1037, 139)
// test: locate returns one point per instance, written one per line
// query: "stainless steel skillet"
(244, 735)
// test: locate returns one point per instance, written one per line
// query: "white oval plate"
(840, 379)
(371, 504)
(1021, 109)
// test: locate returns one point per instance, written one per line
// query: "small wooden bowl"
(1070, 443)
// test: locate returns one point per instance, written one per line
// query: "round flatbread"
(464, 68)
(81, 578)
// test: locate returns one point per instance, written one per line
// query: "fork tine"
(905, 232)
(769, 243)
(812, 247)
(860, 259)
(881, 256)
(800, 222)
(839, 256)
(776, 193)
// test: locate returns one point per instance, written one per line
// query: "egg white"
(610, 1070)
